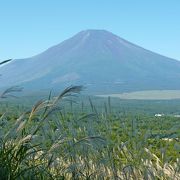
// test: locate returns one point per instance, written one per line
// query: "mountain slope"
(98, 59)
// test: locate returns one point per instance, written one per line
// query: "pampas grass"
(46, 143)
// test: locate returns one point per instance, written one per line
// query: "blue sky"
(29, 27)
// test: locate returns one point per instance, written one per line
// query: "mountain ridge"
(98, 59)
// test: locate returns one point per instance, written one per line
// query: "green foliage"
(57, 141)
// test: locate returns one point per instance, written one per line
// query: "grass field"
(148, 95)
(54, 139)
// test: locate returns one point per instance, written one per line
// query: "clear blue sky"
(28, 27)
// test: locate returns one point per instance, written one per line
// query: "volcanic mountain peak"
(92, 38)
(97, 58)
(99, 35)
(96, 33)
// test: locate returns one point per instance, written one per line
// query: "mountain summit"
(97, 59)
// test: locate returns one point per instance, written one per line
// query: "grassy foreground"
(50, 142)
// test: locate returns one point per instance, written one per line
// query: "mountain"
(97, 59)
